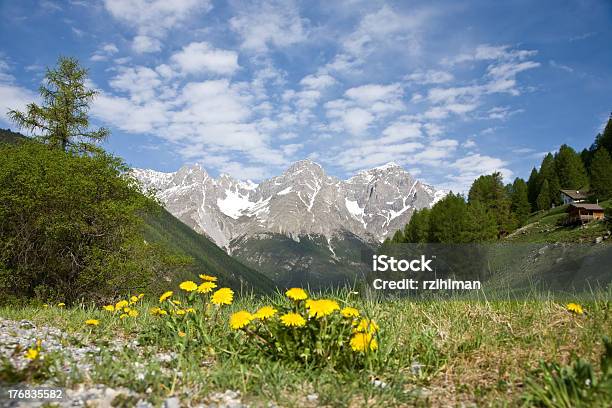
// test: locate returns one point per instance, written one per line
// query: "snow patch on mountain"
(303, 201)
(234, 204)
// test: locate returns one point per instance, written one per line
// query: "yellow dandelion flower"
(123, 316)
(176, 302)
(350, 312)
(109, 308)
(366, 325)
(133, 313)
(293, 320)
(45, 305)
(322, 307)
(140, 296)
(190, 310)
(208, 278)
(165, 295)
(61, 304)
(92, 322)
(265, 312)
(182, 333)
(134, 299)
(126, 310)
(361, 342)
(188, 286)
(121, 304)
(223, 296)
(180, 312)
(156, 311)
(206, 287)
(240, 319)
(31, 354)
(575, 308)
(296, 294)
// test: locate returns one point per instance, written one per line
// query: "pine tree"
(417, 230)
(533, 187)
(62, 120)
(601, 175)
(548, 171)
(481, 224)
(489, 191)
(543, 200)
(570, 169)
(520, 200)
(448, 220)
(398, 237)
(605, 139)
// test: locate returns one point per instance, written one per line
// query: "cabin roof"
(591, 207)
(575, 194)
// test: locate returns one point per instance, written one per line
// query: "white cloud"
(474, 165)
(563, 67)
(201, 57)
(12, 96)
(141, 83)
(318, 82)
(105, 51)
(384, 27)
(373, 93)
(502, 112)
(144, 43)
(204, 118)
(429, 77)
(362, 106)
(486, 52)
(153, 18)
(266, 24)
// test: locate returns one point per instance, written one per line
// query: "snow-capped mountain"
(303, 201)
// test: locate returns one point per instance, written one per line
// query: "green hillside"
(208, 258)
(546, 226)
(162, 227)
(313, 261)
(8, 136)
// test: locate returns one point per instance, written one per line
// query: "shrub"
(70, 225)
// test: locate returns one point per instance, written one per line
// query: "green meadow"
(429, 353)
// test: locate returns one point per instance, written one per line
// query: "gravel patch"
(23, 334)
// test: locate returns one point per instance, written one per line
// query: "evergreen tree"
(398, 237)
(601, 175)
(520, 200)
(548, 172)
(489, 191)
(481, 225)
(570, 169)
(605, 139)
(533, 188)
(448, 220)
(543, 200)
(417, 230)
(62, 119)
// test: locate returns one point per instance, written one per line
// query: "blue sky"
(448, 89)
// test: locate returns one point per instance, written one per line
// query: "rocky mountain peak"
(304, 200)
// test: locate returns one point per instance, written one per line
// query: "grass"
(432, 353)
(546, 226)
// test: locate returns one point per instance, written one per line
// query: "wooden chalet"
(573, 196)
(581, 213)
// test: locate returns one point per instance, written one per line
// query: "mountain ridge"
(303, 200)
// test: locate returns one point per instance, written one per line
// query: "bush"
(70, 225)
